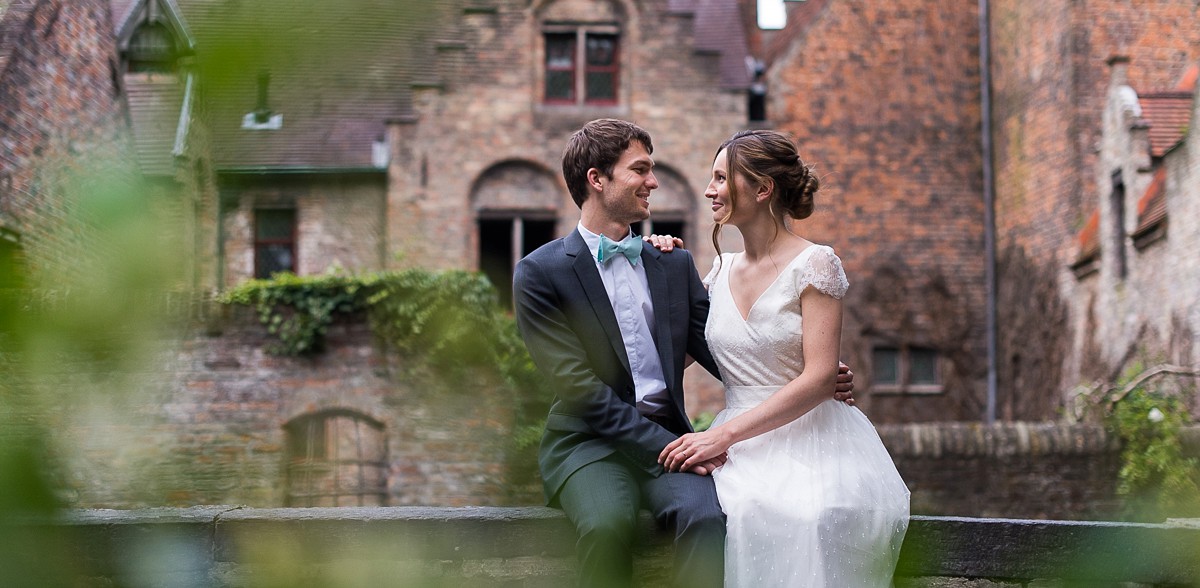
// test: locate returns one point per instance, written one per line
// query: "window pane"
(274, 223)
(560, 85)
(666, 227)
(885, 365)
(537, 233)
(600, 86)
(560, 51)
(601, 50)
(272, 258)
(923, 366)
(495, 256)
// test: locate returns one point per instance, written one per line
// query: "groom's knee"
(607, 527)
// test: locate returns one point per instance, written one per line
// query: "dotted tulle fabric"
(817, 502)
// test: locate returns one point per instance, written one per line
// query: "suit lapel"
(593, 288)
(656, 276)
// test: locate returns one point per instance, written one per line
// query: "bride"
(811, 495)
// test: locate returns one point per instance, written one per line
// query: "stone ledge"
(533, 546)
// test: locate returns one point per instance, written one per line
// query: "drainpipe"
(989, 205)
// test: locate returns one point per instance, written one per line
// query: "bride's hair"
(762, 157)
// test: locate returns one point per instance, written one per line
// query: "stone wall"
(208, 423)
(1010, 470)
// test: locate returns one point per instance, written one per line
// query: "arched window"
(516, 207)
(336, 458)
(671, 206)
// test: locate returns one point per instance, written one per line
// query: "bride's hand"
(664, 242)
(692, 449)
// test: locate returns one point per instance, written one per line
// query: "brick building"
(1050, 80)
(1134, 292)
(887, 98)
(884, 99)
(61, 114)
(362, 136)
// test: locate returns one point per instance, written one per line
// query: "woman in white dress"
(811, 495)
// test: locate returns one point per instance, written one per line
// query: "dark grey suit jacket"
(567, 322)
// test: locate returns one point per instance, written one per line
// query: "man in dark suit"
(609, 320)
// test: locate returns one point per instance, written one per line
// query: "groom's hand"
(706, 468)
(844, 389)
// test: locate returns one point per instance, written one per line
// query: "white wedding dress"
(816, 502)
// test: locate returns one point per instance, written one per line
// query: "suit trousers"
(602, 500)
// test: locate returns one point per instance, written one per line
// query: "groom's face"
(626, 195)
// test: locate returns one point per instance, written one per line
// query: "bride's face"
(729, 195)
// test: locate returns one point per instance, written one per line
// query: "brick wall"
(488, 110)
(60, 117)
(1049, 82)
(339, 218)
(883, 98)
(204, 423)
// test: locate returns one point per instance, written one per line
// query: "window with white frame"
(905, 369)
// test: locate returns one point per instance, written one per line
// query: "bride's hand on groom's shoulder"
(664, 242)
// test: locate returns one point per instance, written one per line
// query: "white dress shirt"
(629, 293)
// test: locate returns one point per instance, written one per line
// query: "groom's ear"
(595, 179)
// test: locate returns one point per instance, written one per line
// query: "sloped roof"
(126, 14)
(337, 72)
(155, 107)
(1168, 114)
(1089, 239)
(1152, 206)
(715, 28)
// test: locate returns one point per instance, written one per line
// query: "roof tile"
(1168, 114)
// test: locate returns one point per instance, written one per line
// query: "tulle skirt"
(815, 503)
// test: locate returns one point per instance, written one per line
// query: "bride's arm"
(822, 338)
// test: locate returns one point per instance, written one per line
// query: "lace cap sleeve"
(718, 262)
(824, 272)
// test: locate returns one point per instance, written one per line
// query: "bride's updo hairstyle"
(763, 156)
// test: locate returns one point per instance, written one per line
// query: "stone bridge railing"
(527, 547)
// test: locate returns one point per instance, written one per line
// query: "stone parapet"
(533, 547)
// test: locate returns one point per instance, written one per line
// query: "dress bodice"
(765, 348)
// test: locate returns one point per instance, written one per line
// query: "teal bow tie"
(631, 248)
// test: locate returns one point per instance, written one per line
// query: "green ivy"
(1156, 480)
(298, 310)
(446, 323)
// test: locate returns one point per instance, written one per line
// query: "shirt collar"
(593, 240)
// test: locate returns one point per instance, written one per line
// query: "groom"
(608, 320)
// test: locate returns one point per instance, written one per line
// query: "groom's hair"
(598, 144)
